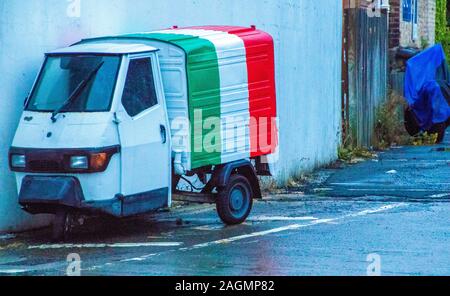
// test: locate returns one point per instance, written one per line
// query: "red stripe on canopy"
(259, 48)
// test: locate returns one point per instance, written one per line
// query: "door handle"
(163, 133)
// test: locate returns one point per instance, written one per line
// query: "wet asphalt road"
(396, 208)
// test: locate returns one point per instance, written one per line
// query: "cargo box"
(215, 75)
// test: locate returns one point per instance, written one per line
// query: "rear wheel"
(62, 225)
(234, 202)
(411, 124)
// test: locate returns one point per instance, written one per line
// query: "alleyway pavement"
(387, 216)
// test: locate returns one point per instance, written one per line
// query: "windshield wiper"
(77, 92)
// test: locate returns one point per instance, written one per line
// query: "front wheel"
(62, 225)
(234, 202)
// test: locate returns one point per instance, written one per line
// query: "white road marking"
(439, 195)
(267, 232)
(11, 260)
(12, 271)
(293, 227)
(250, 219)
(280, 218)
(298, 226)
(99, 246)
(351, 184)
(7, 236)
(142, 258)
(58, 265)
(387, 189)
(323, 189)
(374, 211)
(257, 234)
(209, 227)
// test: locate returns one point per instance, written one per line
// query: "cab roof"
(105, 48)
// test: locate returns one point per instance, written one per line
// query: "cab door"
(145, 140)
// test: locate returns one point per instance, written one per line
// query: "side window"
(139, 93)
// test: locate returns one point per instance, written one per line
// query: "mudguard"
(243, 167)
(44, 194)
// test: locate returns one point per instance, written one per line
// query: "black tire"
(411, 123)
(62, 224)
(234, 202)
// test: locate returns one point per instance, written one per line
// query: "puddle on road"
(7, 237)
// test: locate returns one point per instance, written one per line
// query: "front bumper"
(45, 194)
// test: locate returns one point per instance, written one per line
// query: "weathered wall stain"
(308, 57)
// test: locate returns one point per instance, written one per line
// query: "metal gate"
(366, 78)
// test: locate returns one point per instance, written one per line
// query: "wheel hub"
(237, 199)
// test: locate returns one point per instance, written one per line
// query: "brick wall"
(394, 24)
(401, 33)
(427, 20)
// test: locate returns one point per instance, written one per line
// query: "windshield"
(60, 77)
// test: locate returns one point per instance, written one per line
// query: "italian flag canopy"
(218, 85)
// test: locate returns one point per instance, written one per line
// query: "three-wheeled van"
(114, 124)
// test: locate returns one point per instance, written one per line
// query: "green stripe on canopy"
(203, 90)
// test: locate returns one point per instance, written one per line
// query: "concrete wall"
(308, 58)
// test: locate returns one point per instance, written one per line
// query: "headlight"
(18, 161)
(79, 162)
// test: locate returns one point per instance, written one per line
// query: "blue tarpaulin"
(423, 90)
